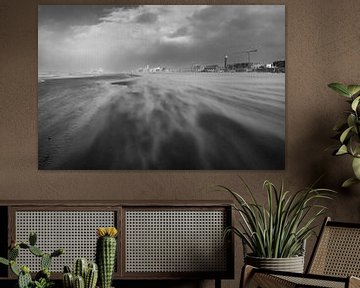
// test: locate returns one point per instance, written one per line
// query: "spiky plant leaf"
(279, 228)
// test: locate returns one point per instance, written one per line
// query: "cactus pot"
(291, 264)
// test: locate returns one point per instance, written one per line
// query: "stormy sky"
(83, 38)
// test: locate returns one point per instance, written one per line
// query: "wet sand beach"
(163, 121)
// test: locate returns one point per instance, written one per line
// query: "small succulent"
(43, 283)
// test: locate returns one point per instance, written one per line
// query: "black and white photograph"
(161, 87)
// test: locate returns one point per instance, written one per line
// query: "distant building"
(279, 66)
(239, 67)
(197, 68)
(211, 68)
(156, 69)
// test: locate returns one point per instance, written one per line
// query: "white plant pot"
(291, 264)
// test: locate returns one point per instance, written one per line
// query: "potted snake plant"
(348, 133)
(274, 234)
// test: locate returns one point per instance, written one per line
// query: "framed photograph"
(161, 87)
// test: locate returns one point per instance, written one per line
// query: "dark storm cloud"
(182, 31)
(216, 34)
(63, 16)
(118, 38)
(147, 18)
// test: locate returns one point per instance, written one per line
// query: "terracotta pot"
(291, 264)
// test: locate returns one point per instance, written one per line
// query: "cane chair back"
(337, 252)
(335, 262)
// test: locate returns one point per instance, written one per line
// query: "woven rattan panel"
(311, 282)
(75, 231)
(338, 253)
(175, 241)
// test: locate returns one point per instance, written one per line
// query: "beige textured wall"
(322, 46)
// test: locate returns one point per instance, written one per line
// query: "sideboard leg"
(217, 283)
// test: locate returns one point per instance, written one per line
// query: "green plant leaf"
(345, 134)
(353, 89)
(342, 150)
(349, 182)
(355, 103)
(4, 261)
(279, 228)
(356, 167)
(351, 120)
(340, 88)
(355, 145)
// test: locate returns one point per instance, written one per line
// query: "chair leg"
(246, 273)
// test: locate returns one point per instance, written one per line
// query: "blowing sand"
(163, 121)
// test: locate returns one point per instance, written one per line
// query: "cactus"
(80, 267)
(13, 253)
(91, 276)
(24, 280)
(42, 278)
(67, 269)
(68, 280)
(44, 273)
(36, 251)
(105, 254)
(45, 261)
(24, 245)
(24, 277)
(32, 239)
(57, 252)
(79, 282)
(90, 272)
(14, 268)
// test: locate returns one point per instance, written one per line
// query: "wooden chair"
(335, 262)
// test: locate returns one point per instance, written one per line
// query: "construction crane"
(248, 53)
